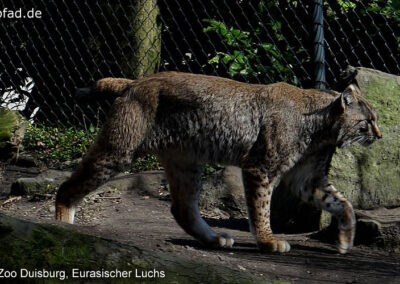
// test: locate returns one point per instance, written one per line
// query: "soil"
(144, 219)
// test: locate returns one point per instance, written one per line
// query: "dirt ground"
(145, 220)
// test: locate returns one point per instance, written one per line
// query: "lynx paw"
(346, 239)
(225, 240)
(347, 229)
(221, 240)
(65, 214)
(274, 245)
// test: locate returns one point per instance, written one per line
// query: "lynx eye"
(364, 125)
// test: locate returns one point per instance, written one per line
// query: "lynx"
(274, 132)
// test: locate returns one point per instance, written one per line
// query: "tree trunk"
(147, 38)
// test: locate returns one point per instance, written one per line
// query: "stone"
(379, 227)
(26, 160)
(12, 131)
(46, 182)
(147, 182)
(223, 189)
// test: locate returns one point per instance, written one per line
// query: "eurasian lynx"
(273, 132)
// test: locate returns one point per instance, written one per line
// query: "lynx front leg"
(331, 200)
(258, 192)
(185, 185)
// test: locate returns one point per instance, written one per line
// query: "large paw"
(217, 240)
(274, 245)
(64, 213)
(346, 239)
(225, 240)
(347, 229)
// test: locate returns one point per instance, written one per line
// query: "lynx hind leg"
(113, 149)
(331, 200)
(185, 185)
(258, 193)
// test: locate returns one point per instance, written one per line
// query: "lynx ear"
(349, 96)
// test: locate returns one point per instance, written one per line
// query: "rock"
(148, 182)
(45, 182)
(12, 130)
(26, 160)
(224, 189)
(379, 227)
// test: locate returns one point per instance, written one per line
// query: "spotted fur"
(273, 132)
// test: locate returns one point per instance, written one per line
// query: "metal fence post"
(319, 46)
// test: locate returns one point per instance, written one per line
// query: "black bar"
(319, 46)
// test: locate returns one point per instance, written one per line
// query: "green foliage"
(390, 9)
(146, 163)
(387, 8)
(209, 169)
(249, 57)
(346, 5)
(58, 143)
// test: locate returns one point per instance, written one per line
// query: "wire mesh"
(74, 43)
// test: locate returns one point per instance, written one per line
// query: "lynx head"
(357, 120)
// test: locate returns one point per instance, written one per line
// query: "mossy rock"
(44, 183)
(12, 130)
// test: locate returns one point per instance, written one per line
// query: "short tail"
(104, 89)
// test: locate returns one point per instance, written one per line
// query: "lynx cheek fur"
(273, 132)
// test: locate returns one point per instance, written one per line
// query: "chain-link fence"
(50, 47)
